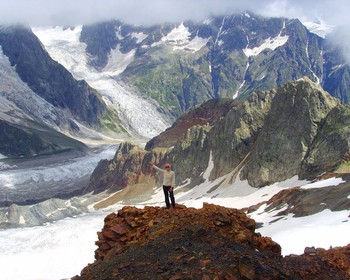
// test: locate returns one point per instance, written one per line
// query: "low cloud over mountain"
(39, 12)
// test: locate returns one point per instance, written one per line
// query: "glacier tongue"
(137, 113)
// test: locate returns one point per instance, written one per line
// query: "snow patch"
(179, 38)
(220, 31)
(140, 36)
(194, 45)
(209, 168)
(270, 43)
(318, 230)
(207, 21)
(336, 67)
(237, 92)
(324, 183)
(179, 35)
(118, 61)
(21, 221)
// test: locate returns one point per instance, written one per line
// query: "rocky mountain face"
(298, 129)
(40, 99)
(124, 169)
(183, 65)
(47, 78)
(209, 243)
(286, 141)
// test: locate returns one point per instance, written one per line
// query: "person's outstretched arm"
(156, 167)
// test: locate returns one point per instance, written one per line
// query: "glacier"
(55, 171)
(136, 111)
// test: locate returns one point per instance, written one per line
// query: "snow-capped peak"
(179, 38)
(318, 27)
(178, 35)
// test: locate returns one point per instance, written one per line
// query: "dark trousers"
(167, 191)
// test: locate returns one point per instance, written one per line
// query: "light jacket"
(168, 176)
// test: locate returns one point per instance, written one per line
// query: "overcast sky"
(71, 12)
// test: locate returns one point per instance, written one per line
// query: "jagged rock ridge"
(298, 129)
(209, 243)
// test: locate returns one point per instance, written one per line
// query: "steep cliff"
(295, 119)
(48, 79)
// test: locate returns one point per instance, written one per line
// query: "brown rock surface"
(209, 243)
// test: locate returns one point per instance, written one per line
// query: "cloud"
(147, 12)
(67, 12)
(53, 12)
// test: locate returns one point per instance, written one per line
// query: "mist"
(146, 12)
(149, 12)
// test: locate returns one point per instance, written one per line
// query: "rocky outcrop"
(291, 127)
(209, 243)
(232, 139)
(330, 149)
(128, 167)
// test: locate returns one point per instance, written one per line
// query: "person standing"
(168, 183)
